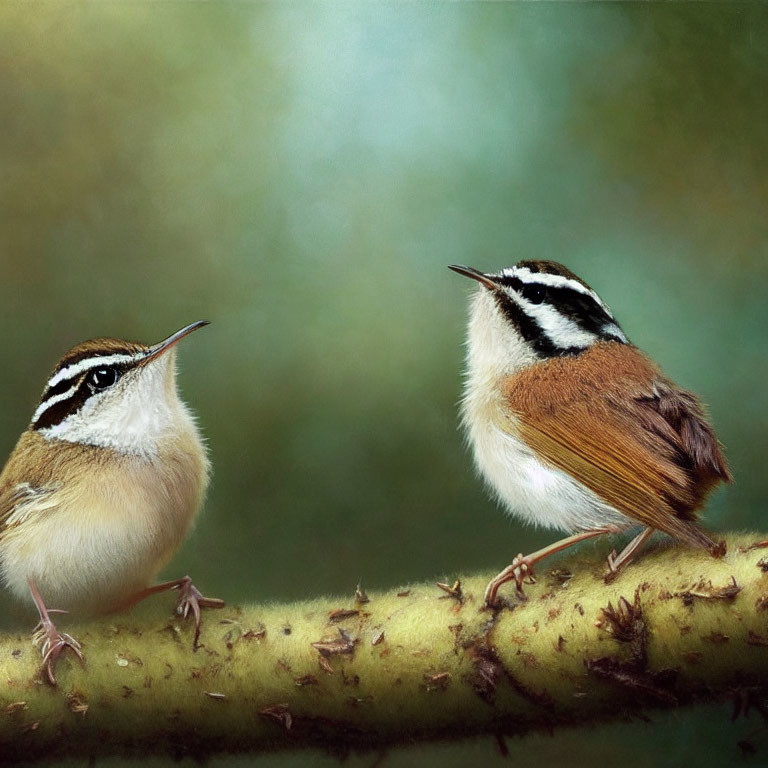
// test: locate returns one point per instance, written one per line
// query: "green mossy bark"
(675, 628)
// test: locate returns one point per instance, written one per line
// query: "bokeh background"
(300, 174)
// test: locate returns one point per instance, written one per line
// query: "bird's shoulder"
(605, 371)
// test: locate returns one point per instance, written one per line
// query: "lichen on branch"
(416, 663)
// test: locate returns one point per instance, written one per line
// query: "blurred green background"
(300, 174)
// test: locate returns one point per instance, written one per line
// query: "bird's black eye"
(101, 378)
(534, 293)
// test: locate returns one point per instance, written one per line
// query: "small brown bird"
(102, 487)
(571, 425)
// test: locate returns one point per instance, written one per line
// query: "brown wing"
(17, 502)
(611, 420)
(670, 408)
(26, 482)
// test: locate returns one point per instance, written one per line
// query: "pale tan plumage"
(92, 526)
(102, 488)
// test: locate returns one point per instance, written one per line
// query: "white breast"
(537, 494)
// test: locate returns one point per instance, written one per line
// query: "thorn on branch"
(755, 639)
(345, 644)
(720, 549)
(653, 685)
(15, 707)
(626, 624)
(343, 613)
(486, 672)
(438, 682)
(215, 695)
(756, 545)
(453, 591)
(280, 714)
(561, 576)
(705, 591)
(716, 638)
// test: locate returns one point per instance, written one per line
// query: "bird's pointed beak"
(475, 274)
(163, 346)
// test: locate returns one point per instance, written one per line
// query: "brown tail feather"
(690, 533)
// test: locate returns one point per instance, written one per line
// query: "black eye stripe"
(58, 389)
(530, 330)
(66, 384)
(580, 308)
(83, 390)
(508, 281)
(571, 303)
(534, 293)
(57, 412)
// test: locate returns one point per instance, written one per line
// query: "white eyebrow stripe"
(560, 330)
(556, 281)
(91, 362)
(611, 329)
(46, 404)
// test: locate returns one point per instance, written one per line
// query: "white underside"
(530, 490)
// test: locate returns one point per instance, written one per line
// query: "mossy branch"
(678, 627)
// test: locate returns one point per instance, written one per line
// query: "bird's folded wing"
(19, 502)
(637, 468)
(678, 417)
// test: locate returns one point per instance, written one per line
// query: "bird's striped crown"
(554, 311)
(86, 369)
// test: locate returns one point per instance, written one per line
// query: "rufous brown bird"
(572, 426)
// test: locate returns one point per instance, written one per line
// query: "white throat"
(493, 349)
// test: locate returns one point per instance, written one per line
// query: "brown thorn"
(280, 714)
(452, 591)
(343, 613)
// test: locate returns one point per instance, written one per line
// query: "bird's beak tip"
(173, 339)
(475, 274)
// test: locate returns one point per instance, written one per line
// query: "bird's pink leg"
(522, 565)
(190, 600)
(617, 562)
(52, 642)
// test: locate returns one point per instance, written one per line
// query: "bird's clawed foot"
(52, 644)
(520, 571)
(191, 601)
